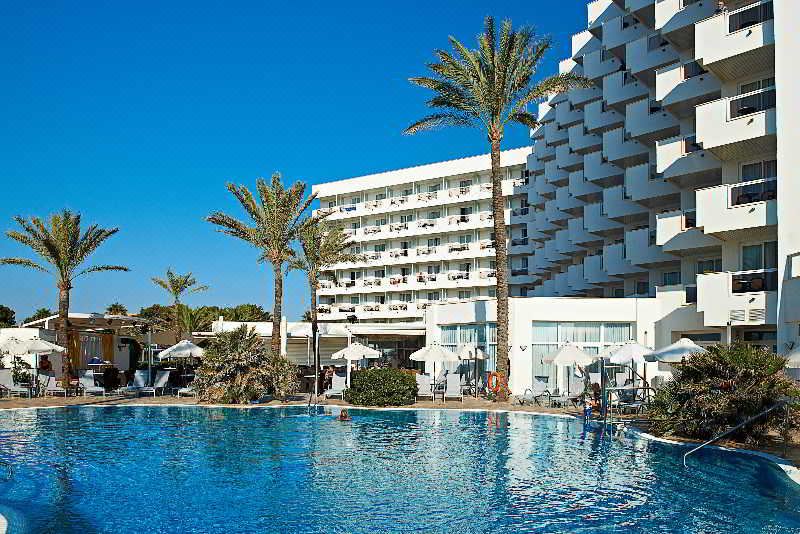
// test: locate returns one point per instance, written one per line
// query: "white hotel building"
(657, 204)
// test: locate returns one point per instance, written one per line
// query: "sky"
(137, 114)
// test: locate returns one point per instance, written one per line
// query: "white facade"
(426, 234)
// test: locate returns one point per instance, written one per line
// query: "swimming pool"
(190, 469)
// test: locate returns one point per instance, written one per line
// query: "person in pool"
(344, 415)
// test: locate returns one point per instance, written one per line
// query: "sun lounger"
(87, 386)
(8, 385)
(338, 384)
(160, 383)
(452, 388)
(188, 391)
(534, 394)
(139, 383)
(424, 387)
(50, 386)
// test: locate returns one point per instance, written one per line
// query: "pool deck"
(773, 446)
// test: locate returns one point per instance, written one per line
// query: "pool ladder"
(734, 429)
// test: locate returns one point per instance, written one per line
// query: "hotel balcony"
(568, 203)
(593, 271)
(645, 55)
(365, 312)
(554, 173)
(642, 185)
(552, 254)
(582, 142)
(735, 43)
(641, 249)
(548, 288)
(599, 64)
(683, 161)
(567, 159)
(739, 298)
(580, 97)
(598, 170)
(737, 127)
(733, 210)
(599, 117)
(597, 222)
(682, 86)
(553, 214)
(582, 189)
(583, 43)
(562, 284)
(578, 233)
(676, 19)
(677, 233)
(621, 149)
(543, 224)
(563, 243)
(619, 207)
(622, 30)
(543, 151)
(647, 121)
(555, 134)
(600, 11)
(567, 114)
(615, 262)
(620, 88)
(542, 187)
(576, 278)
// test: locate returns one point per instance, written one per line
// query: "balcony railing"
(519, 241)
(426, 223)
(488, 274)
(397, 280)
(425, 251)
(459, 219)
(431, 195)
(750, 103)
(399, 253)
(519, 272)
(347, 209)
(693, 69)
(346, 308)
(372, 230)
(398, 201)
(755, 191)
(458, 247)
(347, 283)
(458, 275)
(373, 204)
(374, 256)
(487, 216)
(371, 308)
(754, 281)
(370, 282)
(426, 277)
(487, 244)
(402, 306)
(398, 227)
(750, 16)
(460, 191)
(323, 308)
(520, 211)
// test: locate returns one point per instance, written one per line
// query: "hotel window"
(406, 218)
(380, 247)
(760, 256)
(465, 183)
(711, 265)
(433, 295)
(671, 278)
(642, 287)
(354, 300)
(380, 299)
(405, 297)
(434, 188)
(355, 225)
(465, 210)
(405, 271)
(355, 250)
(408, 192)
(380, 273)
(483, 335)
(466, 267)
(434, 242)
(434, 214)
(380, 196)
(465, 238)
(492, 292)
(493, 265)
(404, 245)
(464, 294)
(380, 222)
(619, 292)
(750, 16)
(760, 170)
(331, 203)
(434, 269)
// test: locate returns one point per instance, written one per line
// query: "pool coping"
(791, 471)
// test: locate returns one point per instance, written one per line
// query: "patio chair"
(139, 383)
(51, 386)
(159, 385)
(338, 385)
(8, 385)
(423, 387)
(628, 400)
(453, 388)
(533, 395)
(87, 386)
(187, 391)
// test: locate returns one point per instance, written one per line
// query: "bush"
(381, 387)
(238, 368)
(712, 392)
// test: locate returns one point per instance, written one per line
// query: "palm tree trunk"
(312, 282)
(62, 335)
(501, 257)
(277, 309)
(178, 333)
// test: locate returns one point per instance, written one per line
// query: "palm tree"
(117, 309)
(322, 246)
(178, 285)
(277, 217)
(65, 248)
(490, 87)
(194, 320)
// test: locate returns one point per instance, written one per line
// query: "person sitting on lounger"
(45, 365)
(596, 396)
(344, 415)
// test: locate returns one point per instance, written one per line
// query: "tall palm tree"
(490, 87)
(277, 216)
(178, 285)
(61, 244)
(117, 308)
(321, 246)
(193, 320)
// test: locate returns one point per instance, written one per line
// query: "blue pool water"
(185, 469)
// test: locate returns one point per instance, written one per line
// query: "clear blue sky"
(137, 115)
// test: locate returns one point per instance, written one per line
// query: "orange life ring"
(493, 382)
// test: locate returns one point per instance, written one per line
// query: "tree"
(246, 313)
(65, 248)
(116, 308)
(238, 367)
(7, 317)
(306, 316)
(194, 320)
(178, 285)
(321, 246)
(490, 87)
(41, 313)
(159, 316)
(276, 218)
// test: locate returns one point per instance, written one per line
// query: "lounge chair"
(188, 391)
(453, 388)
(139, 383)
(627, 399)
(534, 394)
(50, 386)
(87, 386)
(338, 385)
(424, 387)
(159, 385)
(8, 385)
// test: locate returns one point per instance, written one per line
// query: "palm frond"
(23, 262)
(438, 120)
(101, 268)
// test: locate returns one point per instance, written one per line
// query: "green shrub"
(381, 387)
(712, 392)
(238, 367)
